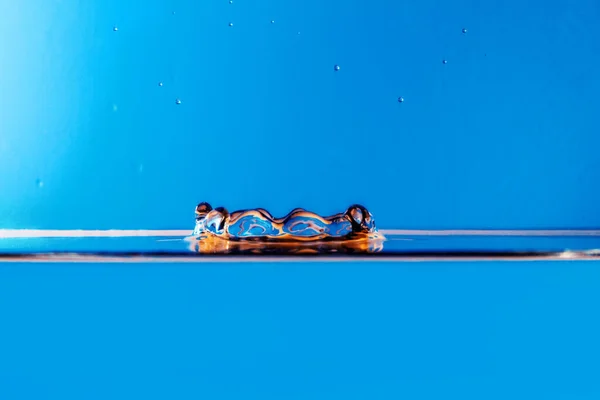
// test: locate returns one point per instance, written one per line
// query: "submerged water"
(303, 330)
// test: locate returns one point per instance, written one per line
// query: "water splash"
(300, 231)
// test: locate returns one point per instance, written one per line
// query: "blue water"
(300, 331)
(125, 115)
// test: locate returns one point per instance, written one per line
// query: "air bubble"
(160, 84)
(272, 21)
(231, 24)
(400, 99)
(336, 67)
(177, 101)
(464, 30)
(39, 183)
(444, 61)
(115, 28)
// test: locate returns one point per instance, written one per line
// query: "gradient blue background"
(503, 136)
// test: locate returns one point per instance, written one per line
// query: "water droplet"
(297, 224)
(231, 24)
(177, 101)
(464, 30)
(160, 83)
(115, 28)
(39, 183)
(444, 61)
(336, 67)
(400, 99)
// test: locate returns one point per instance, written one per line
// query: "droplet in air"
(231, 24)
(115, 28)
(336, 67)
(464, 30)
(400, 99)
(444, 61)
(177, 101)
(39, 183)
(160, 84)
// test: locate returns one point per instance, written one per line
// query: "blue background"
(505, 135)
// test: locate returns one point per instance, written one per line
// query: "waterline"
(91, 233)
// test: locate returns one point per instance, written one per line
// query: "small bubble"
(177, 101)
(464, 30)
(272, 21)
(336, 67)
(231, 24)
(141, 168)
(160, 84)
(444, 61)
(39, 183)
(115, 28)
(115, 108)
(230, 1)
(400, 99)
